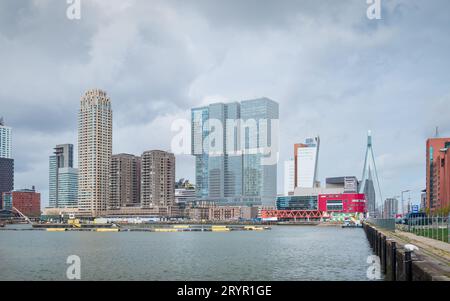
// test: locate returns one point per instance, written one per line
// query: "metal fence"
(384, 223)
(433, 226)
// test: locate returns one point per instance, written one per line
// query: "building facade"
(6, 160)
(27, 201)
(63, 178)
(438, 174)
(369, 192)
(184, 195)
(289, 177)
(323, 199)
(125, 185)
(6, 177)
(423, 200)
(157, 179)
(342, 203)
(297, 202)
(390, 208)
(260, 174)
(230, 213)
(349, 184)
(5, 140)
(95, 151)
(227, 140)
(306, 159)
(216, 147)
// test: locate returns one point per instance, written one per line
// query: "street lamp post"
(403, 207)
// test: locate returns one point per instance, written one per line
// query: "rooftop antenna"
(436, 135)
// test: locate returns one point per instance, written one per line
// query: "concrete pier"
(400, 264)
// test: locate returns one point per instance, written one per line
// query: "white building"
(184, 195)
(306, 161)
(289, 176)
(5, 141)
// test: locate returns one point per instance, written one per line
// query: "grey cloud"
(333, 71)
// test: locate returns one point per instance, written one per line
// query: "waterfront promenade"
(405, 256)
(435, 248)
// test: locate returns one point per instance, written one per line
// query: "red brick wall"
(29, 203)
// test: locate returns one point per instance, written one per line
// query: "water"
(283, 253)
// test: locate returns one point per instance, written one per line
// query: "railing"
(384, 223)
(435, 227)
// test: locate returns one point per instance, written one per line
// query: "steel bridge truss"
(292, 214)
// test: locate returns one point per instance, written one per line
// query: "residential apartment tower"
(94, 152)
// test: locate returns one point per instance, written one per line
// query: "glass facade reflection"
(226, 172)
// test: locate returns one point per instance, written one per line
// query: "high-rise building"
(6, 177)
(438, 174)
(5, 140)
(94, 152)
(306, 157)
(226, 141)
(369, 192)
(63, 178)
(199, 133)
(423, 200)
(390, 208)
(6, 161)
(218, 163)
(125, 181)
(259, 178)
(289, 175)
(157, 179)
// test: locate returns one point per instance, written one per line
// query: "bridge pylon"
(370, 175)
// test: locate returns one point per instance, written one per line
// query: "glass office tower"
(225, 142)
(63, 178)
(259, 179)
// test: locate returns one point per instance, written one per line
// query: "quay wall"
(400, 264)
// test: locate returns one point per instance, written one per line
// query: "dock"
(147, 228)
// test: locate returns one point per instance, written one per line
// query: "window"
(335, 205)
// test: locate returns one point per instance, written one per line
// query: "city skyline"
(363, 84)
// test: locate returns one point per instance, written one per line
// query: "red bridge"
(292, 214)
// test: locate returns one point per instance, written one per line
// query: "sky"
(334, 72)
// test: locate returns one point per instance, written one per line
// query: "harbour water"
(283, 253)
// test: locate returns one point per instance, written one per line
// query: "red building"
(26, 201)
(315, 207)
(344, 203)
(438, 174)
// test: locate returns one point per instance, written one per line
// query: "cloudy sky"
(333, 71)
